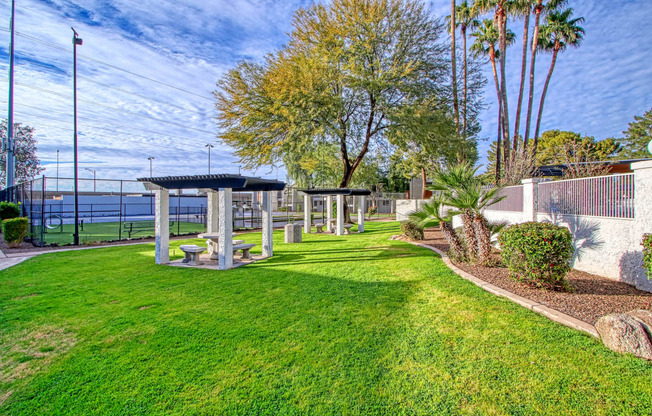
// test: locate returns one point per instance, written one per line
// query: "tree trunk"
(517, 123)
(543, 98)
(533, 58)
(456, 249)
(503, 87)
(456, 105)
(466, 75)
(469, 233)
(492, 58)
(423, 183)
(483, 234)
(346, 180)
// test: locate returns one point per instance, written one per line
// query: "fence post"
(642, 222)
(120, 214)
(530, 199)
(42, 242)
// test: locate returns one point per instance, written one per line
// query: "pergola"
(339, 194)
(219, 189)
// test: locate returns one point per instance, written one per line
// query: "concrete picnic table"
(212, 243)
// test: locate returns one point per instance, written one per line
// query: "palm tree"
(466, 19)
(500, 8)
(539, 8)
(560, 32)
(433, 211)
(486, 37)
(456, 105)
(521, 8)
(485, 197)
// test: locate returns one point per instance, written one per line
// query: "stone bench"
(347, 228)
(320, 227)
(192, 253)
(245, 250)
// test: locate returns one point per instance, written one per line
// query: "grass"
(336, 325)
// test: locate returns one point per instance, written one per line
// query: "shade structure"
(339, 194)
(219, 189)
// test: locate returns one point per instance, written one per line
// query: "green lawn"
(337, 325)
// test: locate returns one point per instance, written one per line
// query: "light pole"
(209, 147)
(94, 178)
(57, 170)
(239, 166)
(76, 40)
(11, 160)
(150, 165)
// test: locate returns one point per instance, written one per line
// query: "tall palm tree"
(486, 39)
(560, 32)
(539, 8)
(521, 8)
(500, 9)
(466, 18)
(433, 211)
(456, 105)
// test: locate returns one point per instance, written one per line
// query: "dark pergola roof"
(216, 181)
(336, 191)
(558, 170)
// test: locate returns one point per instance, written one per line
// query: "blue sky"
(125, 118)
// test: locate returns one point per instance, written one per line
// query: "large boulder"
(627, 333)
(644, 316)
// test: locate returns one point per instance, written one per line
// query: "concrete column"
(339, 223)
(162, 226)
(361, 205)
(530, 199)
(268, 225)
(212, 212)
(329, 213)
(225, 249)
(632, 262)
(307, 210)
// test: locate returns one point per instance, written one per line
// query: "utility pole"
(57, 170)
(94, 178)
(76, 40)
(10, 146)
(209, 147)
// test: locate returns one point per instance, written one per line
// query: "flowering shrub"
(411, 230)
(647, 254)
(537, 253)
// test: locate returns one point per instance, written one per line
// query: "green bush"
(411, 230)
(15, 230)
(372, 210)
(9, 210)
(537, 253)
(647, 254)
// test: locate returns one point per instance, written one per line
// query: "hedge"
(9, 210)
(647, 254)
(15, 230)
(538, 253)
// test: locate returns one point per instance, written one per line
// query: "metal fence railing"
(513, 201)
(602, 196)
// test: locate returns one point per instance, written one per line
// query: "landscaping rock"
(625, 334)
(644, 316)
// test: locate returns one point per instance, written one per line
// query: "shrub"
(537, 253)
(411, 230)
(647, 254)
(9, 210)
(15, 230)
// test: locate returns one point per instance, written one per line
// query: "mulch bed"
(594, 296)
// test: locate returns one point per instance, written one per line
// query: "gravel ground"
(594, 296)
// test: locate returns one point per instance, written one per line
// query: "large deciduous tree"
(353, 74)
(28, 165)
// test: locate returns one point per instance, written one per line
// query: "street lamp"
(76, 40)
(150, 165)
(94, 178)
(209, 147)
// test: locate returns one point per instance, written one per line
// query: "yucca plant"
(433, 211)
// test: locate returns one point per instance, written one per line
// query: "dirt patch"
(593, 297)
(142, 308)
(26, 296)
(114, 301)
(5, 396)
(29, 351)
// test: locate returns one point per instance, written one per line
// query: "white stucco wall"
(404, 207)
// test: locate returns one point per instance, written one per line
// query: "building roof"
(336, 191)
(237, 183)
